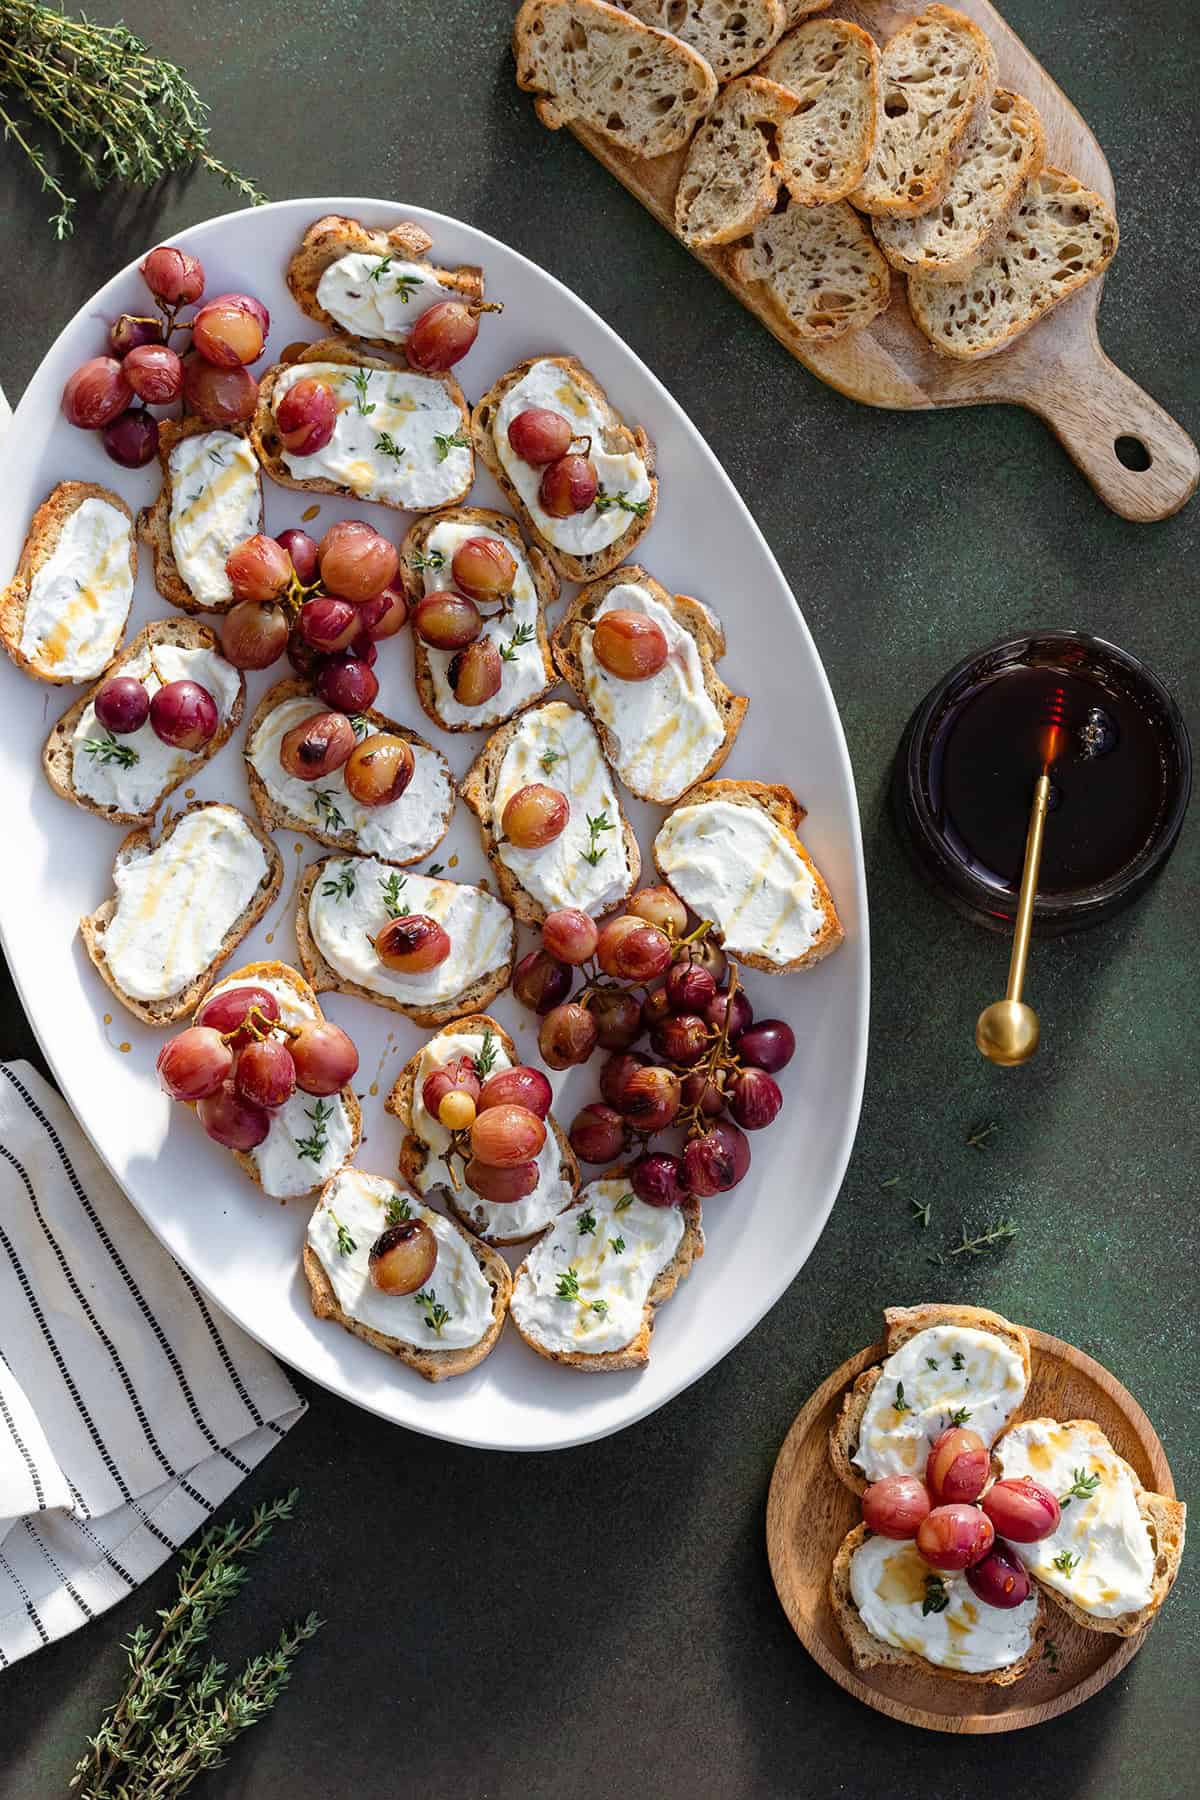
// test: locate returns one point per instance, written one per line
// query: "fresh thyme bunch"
(177, 1716)
(122, 113)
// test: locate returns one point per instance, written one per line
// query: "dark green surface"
(602, 1621)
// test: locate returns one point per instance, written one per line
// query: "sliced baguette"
(154, 521)
(692, 617)
(41, 540)
(619, 439)
(356, 353)
(478, 788)
(431, 1365)
(330, 238)
(276, 817)
(636, 1353)
(781, 805)
(136, 845)
(1165, 1519)
(818, 268)
(596, 65)
(797, 10)
(414, 1151)
(307, 1000)
(324, 978)
(731, 177)
(985, 191)
(900, 1324)
(58, 757)
(937, 78)
(731, 35)
(831, 67)
(546, 585)
(870, 1652)
(1061, 237)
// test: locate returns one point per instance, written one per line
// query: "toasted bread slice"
(831, 68)
(138, 844)
(486, 1222)
(58, 757)
(985, 191)
(330, 238)
(900, 1324)
(780, 806)
(1165, 1519)
(730, 179)
(277, 815)
(1061, 237)
(617, 439)
(302, 1003)
(47, 658)
(324, 978)
(818, 268)
(154, 521)
(937, 78)
(363, 357)
(478, 789)
(870, 1652)
(431, 1364)
(565, 1233)
(597, 65)
(731, 35)
(702, 626)
(523, 678)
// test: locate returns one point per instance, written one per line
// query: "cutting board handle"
(1140, 462)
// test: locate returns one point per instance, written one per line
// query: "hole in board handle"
(1131, 453)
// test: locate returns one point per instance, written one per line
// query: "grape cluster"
(240, 1063)
(113, 393)
(953, 1529)
(496, 1123)
(482, 571)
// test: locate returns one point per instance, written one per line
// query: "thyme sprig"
(597, 824)
(340, 886)
(605, 503)
(1082, 1487)
(485, 1060)
(436, 1315)
(106, 749)
(524, 634)
(313, 1147)
(995, 1232)
(447, 441)
(397, 1210)
(1066, 1561)
(328, 812)
(360, 381)
(391, 889)
(386, 444)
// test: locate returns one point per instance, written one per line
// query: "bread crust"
(478, 787)
(544, 578)
(620, 439)
(324, 978)
(414, 1151)
(731, 35)
(359, 353)
(870, 1652)
(57, 757)
(41, 539)
(276, 817)
(781, 805)
(154, 521)
(93, 926)
(334, 235)
(693, 618)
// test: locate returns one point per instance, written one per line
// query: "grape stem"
(716, 1060)
(260, 1027)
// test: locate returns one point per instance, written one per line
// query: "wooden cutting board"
(1105, 421)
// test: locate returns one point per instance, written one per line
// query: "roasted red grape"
(689, 987)
(569, 935)
(895, 1506)
(318, 746)
(305, 417)
(655, 1008)
(539, 436)
(446, 620)
(504, 1136)
(717, 1160)
(173, 276)
(957, 1467)
(708, 954)
(265, 1074)
(184, 715)
(131, 439)
(659, 906)
(232, 1121)
(129, 330)
(244, 303)
(568, 486)
(476, 673)
(122, 705)
(658, 1179)
(539, 982)
(194, 1064)
(347, 683)
(702, 1092)
(598, 1133)
(502, 1187)
(769, 1045)
(357, 562)
(379, 769)
(228, 334)
(386, 613)
(519, 1086)
(1022, 1509)
(452, 1093)
(954, 1537)
(534, 816)
(754, 1099)
(412, 944)
(681, 1038)
(484, 568)
(738, 1009)
(254, 634)
(567, 1036)
(633, 950)
(259, 568)
(96, 393)
(218, 396)
(227, 1012)
(999, 1578)
(618, 1018)
(615, 1077)
(650, 1098)
(324, 1056)
(443, 334)
(402, 1258)
(155, 373)
(328, 624)
(629, 645)
(303, 551)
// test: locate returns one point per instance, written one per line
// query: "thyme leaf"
(386, 444)
(313, 1147)
(447, 441)
(436, 1315)
(360, 381)
(568, 1286)
(340, 886)
(391, 889)
(485, 1061)
(605, 503)
(1082, 1487)
(524, 634)
(597, 825)
(107, 750)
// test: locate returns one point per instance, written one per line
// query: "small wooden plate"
(809, 1512)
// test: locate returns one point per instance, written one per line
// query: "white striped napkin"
(129, 1409)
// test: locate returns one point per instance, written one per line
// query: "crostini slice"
(372, 283)
(587, 1294)
(730, 179)
(425, 1163)
(730, 852)
(585, 544)
(344, 902)
(182, 907)
(939, 1359)
(63, 613)
(400, 438)
(310, 1137)
(404, 831)
(211, 500)
(518, 631)
(731, 35)
(125, 779)
(831, 68)
(664, 733)
(595, 862)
